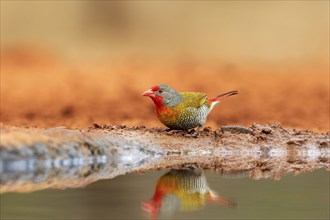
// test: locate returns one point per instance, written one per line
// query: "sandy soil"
(39, 89)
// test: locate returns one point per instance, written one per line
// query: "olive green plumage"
(189, 113)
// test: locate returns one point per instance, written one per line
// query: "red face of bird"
(163, 95)
(155, 94)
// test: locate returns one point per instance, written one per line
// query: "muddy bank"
(33, 158)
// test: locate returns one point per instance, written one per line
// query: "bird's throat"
(158, 100)
(166, 115)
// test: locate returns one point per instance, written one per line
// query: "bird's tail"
(223, 95)
(215, 100)
(217, 199)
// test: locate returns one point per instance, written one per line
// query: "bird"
(185, 190)
(183, 110)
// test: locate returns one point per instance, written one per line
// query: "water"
(305, 196)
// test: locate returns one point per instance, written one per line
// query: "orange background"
(79, 62)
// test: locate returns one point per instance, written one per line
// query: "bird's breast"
(168, 116)
(182, 118)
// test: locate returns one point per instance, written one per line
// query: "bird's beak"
(149, 93)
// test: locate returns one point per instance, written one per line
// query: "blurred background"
(73, 63)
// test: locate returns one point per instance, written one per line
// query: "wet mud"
(33, 158)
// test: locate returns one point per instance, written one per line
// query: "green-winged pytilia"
(183, 110)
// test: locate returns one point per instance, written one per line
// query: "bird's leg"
(195, 133)
(236, 129)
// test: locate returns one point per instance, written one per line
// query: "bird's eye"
(160, 91)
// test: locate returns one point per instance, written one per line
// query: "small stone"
(266, 130)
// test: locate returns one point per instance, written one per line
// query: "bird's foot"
(194, 134)
(193, 167)
(236, 129)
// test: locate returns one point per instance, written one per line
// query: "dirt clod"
(97, 126)
(296, 142)
(121, 126)
(266, 130)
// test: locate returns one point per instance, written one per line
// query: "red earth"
(38, 89)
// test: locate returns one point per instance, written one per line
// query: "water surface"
(305, 196)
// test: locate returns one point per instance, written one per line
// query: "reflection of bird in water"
(184, 190)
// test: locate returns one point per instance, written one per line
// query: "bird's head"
(163, 95)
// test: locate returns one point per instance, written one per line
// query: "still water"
(178, 195)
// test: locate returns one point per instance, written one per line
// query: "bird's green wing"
(194, 99)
